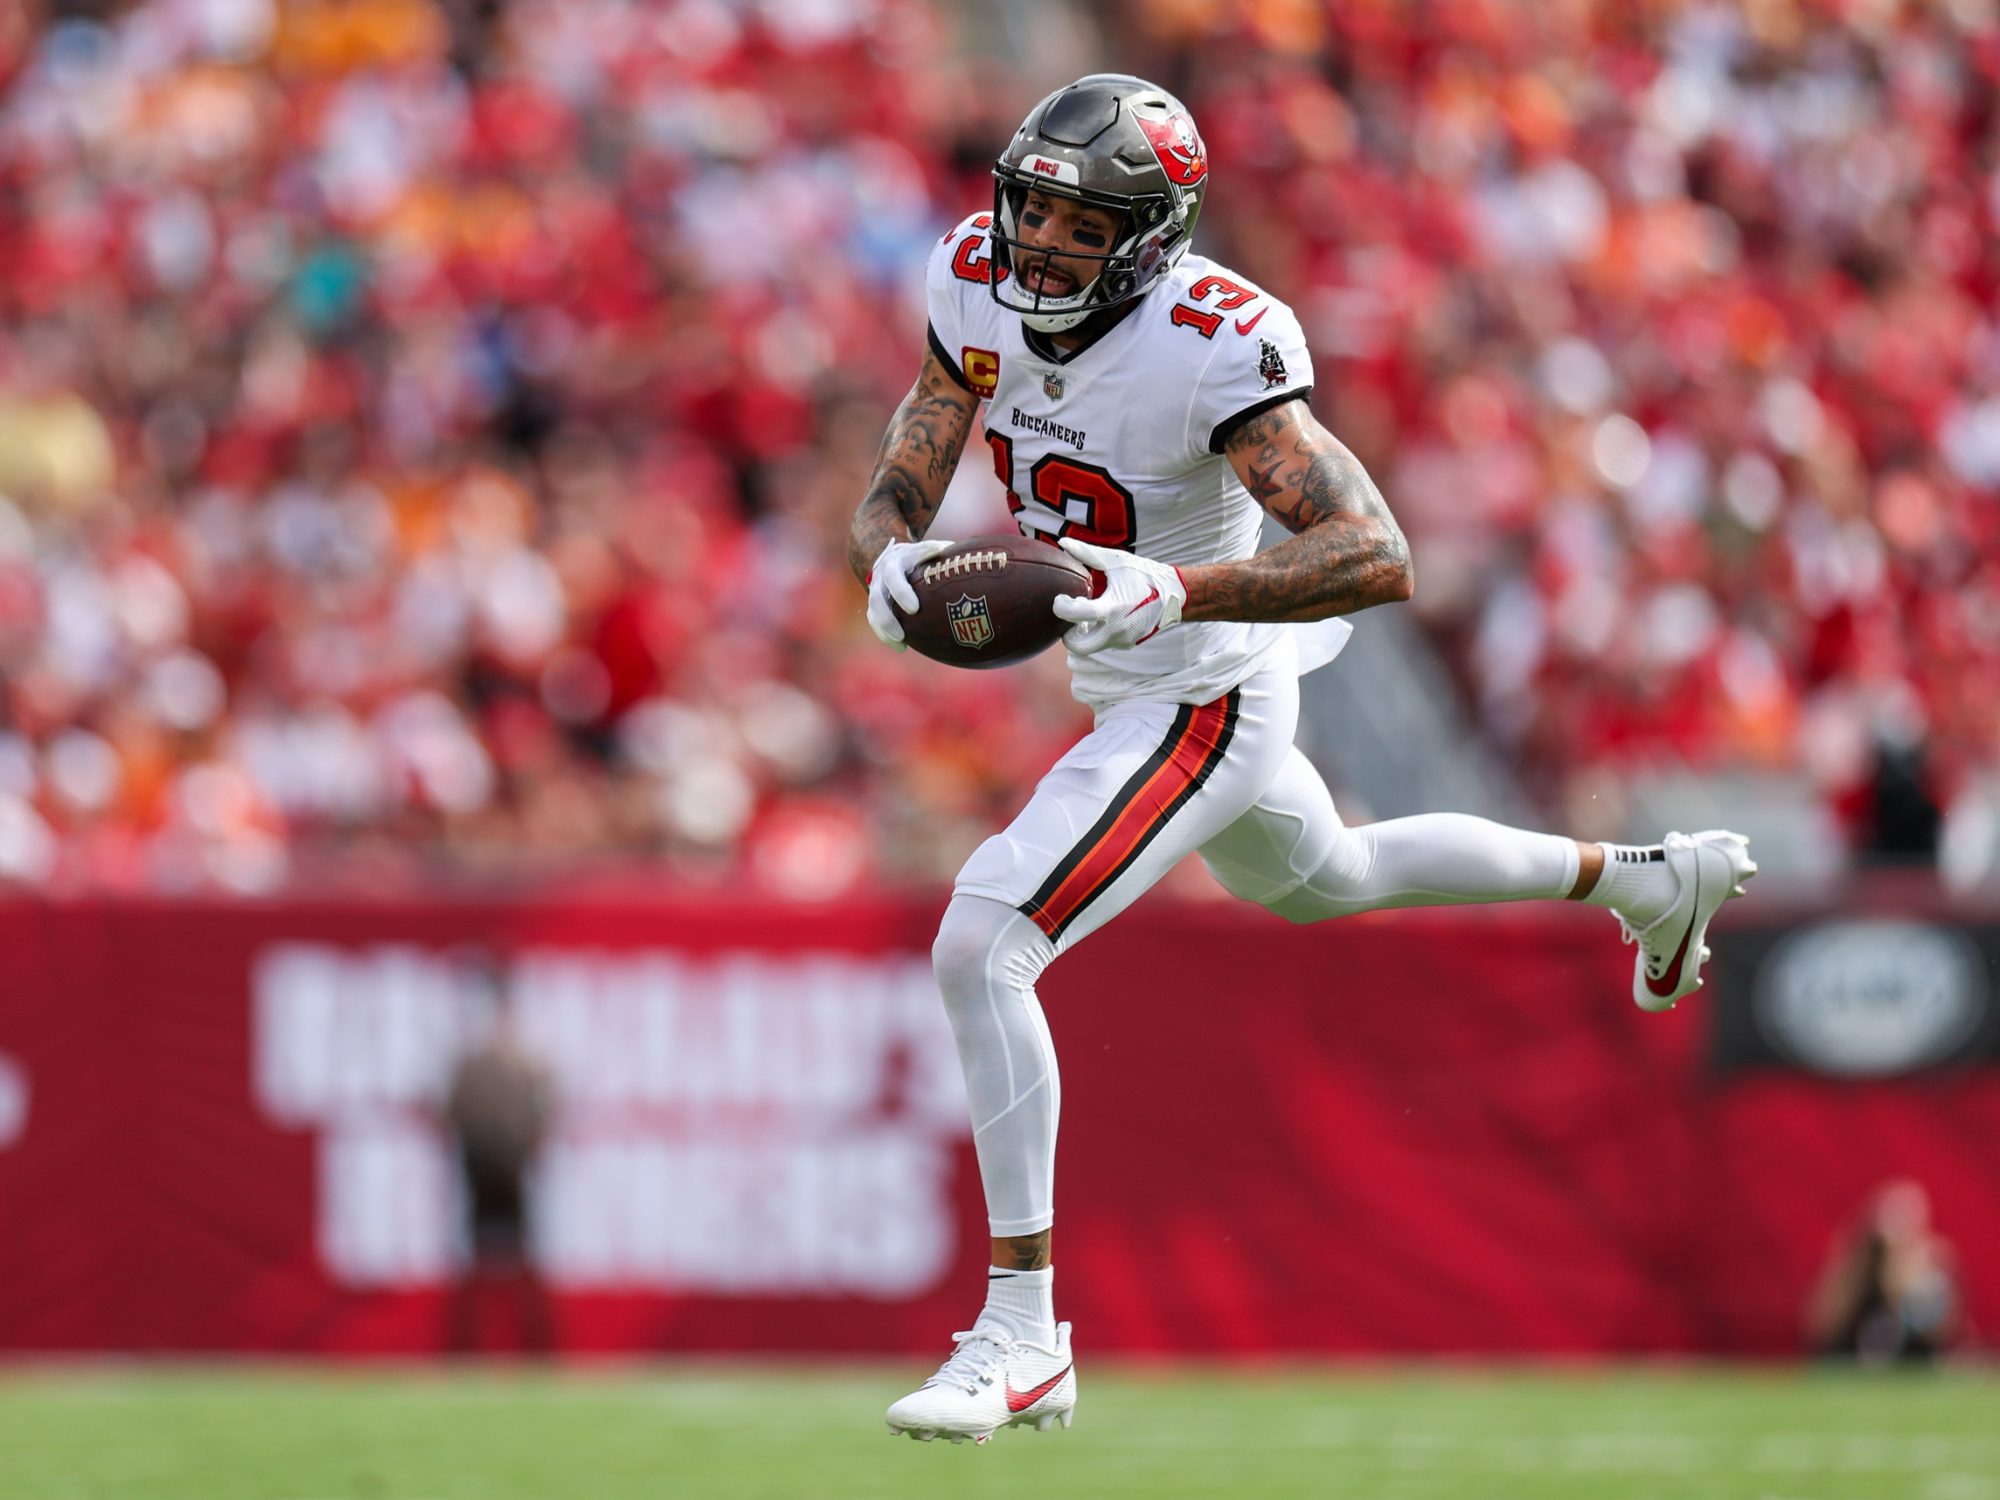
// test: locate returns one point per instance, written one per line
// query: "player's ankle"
(1021, 1304)
(1636, 882)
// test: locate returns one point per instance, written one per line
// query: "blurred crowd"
(427, 437)
(1672, 329)
(428, 427)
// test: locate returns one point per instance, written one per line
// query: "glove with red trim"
(1140, 598)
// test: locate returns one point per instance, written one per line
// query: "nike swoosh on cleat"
(1664, 985)
(1244, 326)
(1022, 1400)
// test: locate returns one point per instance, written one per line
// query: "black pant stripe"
(1080, 850)
(1213, 758)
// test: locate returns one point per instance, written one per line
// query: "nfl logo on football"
(971, 625)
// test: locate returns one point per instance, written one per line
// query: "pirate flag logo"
(1178, 146)
(1270, 364)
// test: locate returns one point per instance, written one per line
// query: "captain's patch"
(982, 370)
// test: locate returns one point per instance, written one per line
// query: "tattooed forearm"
(1347, 552)
(1263, 483)
(919, 453)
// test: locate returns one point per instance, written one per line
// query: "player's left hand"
(1140, 598)
(890, 591)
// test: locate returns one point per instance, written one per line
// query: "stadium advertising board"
(1860, 996)
(1431, 1132)
(742, 1124)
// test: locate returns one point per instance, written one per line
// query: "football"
(985, 602)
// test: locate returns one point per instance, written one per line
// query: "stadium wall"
(1414, 1132)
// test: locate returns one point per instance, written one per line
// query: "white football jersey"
(1117, 444)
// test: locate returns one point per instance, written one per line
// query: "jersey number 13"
(1090, 505)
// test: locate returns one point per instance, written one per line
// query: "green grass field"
(726, 1431)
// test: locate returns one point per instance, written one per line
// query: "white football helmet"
(1115, 142)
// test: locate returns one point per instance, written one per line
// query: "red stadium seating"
(431, 447)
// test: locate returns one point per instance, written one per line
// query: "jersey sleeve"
(958, 265)
(1260, 360)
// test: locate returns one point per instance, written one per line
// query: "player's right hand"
(889, 588)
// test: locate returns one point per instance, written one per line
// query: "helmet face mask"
(1112, 282)
(1110, 142)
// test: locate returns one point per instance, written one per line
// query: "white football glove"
(889, 588)
(1140, 598)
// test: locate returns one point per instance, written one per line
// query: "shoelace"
(1627, 933)
(979, 1358)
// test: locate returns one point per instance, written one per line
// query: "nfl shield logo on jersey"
(1052, 386)
(971, 625)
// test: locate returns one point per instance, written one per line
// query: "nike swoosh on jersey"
(1664, 985)
(1243, 327)
(1022, 1400)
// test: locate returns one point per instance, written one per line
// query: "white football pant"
(1149, 784)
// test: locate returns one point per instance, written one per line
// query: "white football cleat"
(1711, 868)
(990, 1382)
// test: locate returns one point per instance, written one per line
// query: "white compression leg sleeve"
(988, 957)
(1433, 859)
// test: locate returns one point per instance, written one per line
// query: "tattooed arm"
(919, 453)
(1347, 551)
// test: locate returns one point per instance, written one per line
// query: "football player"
(1145, 407)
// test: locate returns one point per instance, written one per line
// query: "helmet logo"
(1182, 156)
(1061, 171)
